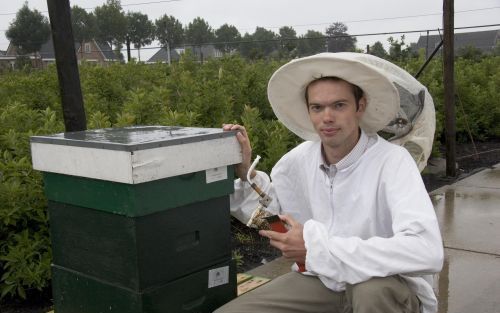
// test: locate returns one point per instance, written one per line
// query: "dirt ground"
(470, 158)
(253, 250)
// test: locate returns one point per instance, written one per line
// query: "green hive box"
(139, 209)
(200, 292)
(144, 251)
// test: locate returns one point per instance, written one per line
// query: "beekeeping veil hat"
(397, 104)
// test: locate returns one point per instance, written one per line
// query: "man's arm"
(415, 248)
(245, 200)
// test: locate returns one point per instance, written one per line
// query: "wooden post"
(128, 49)
(168, 53)
(67, 66)
(427, 46)
(429, 59)
(449, 86)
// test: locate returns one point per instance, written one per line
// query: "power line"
(382, 18)
(143, 3)
(123, 5)
(336, 36)
(313, 38)
(305, 25)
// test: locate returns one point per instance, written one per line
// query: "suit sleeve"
(415, 247)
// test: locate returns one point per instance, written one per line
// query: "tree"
(117, 50)
(169, 32)
(247, 46)
(140, 30)
(264, 42)
(224, 36)
(397, 50)
(339, 40)
(377, 49)
(288, 37)
(496, 50)
(470, 52)
(29, 30)
(311, 43)
(259, 44)
(111, 23)
(199, 32)
(83, 24)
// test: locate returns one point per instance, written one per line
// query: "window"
(87, 47)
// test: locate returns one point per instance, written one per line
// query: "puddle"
(468, 283)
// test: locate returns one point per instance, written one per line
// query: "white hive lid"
(135, 154)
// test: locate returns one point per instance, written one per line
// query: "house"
(95, 52)
(205, 52)
(486, 41)
(200, 53)
(91, 51)
(162, 56)
(7, 61)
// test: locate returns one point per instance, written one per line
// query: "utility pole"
(129, 58)
(427, 45)
(449, 86)
(67, 66)
(168, 53)
(168, 44)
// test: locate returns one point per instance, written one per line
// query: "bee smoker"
(263, 219)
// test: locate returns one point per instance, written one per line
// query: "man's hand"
(290, 243)
(246, 150)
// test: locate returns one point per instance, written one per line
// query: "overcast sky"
(361, 16)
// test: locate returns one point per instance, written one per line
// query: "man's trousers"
(294, 293)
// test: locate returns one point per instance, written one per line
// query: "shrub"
(24, 237)
(186, 93)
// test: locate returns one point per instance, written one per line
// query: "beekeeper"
(358, 213)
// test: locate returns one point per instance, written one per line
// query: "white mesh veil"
(414, 126)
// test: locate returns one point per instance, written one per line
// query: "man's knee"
(381, 292)
(371, 292)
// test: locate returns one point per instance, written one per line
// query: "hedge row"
(187, 94)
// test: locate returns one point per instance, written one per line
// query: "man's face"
(332, 110)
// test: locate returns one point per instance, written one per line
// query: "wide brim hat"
(287, 86)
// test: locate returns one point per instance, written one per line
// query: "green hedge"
(186, 94)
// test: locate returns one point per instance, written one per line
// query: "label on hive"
(75, 292)
(218, 276)
(216, 174)
(135, 199)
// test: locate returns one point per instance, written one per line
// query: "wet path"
(469, 216)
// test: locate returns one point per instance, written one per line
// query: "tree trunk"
(128, 50)
(81, 50)
(168, 53)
